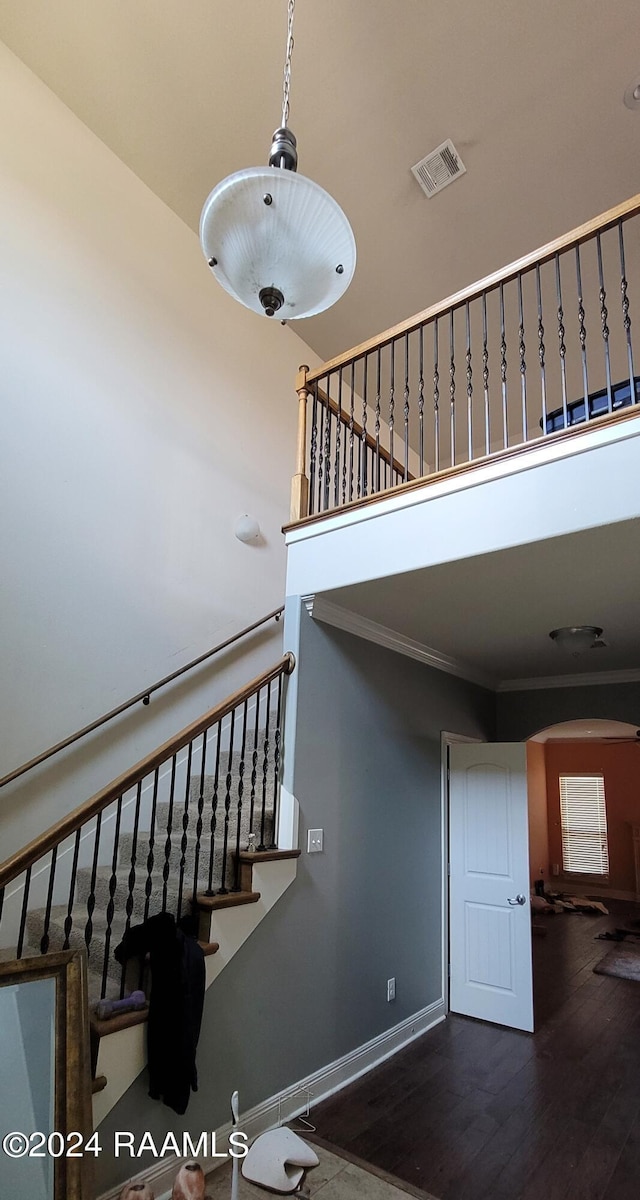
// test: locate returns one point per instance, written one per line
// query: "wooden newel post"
(300, 482)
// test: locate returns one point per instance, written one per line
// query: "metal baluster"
(1, 901)
(392, 403)
(359, 468)
(336, 470)
(91, 899)
(265, 767)
(313, 449)
(469, 386)
(604, 317)
(582, 334)
(344, 454)
(223, 889)
(327, 450)
(626, 319)
(452, 389)
(113, 883)
(199, 822)
(236, 873)
(131, 882)
(562, 349)
(166, 866)
(421, 399)
(541, 354)
(68, 921)
(254, 763)
(523, 365)
(406, 407)
(378, 412)
(363, 457)
(23, 917)
(148, 887)
(321, 455)
(276, 766)
(485, 376)
(351, 423)
(44, 941)
(214, 810)
(184, 840)
(503, 370)
(436, 397)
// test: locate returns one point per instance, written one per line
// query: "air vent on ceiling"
(439, 168)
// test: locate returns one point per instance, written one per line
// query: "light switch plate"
(315, 841)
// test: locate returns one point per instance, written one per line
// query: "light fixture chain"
(287, 64)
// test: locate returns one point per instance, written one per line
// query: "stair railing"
(163, 832)
(143, 697)
(538, 349)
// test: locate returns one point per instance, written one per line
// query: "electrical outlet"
(315, 841)
(391, 989)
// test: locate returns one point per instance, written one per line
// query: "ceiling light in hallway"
(576, 639)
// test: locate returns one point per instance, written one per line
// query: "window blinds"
(584, 824)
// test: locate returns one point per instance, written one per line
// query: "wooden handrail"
(537, 257)
(345, 418)
(143, 697)
(30, 854)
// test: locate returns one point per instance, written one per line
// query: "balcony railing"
(535, 349)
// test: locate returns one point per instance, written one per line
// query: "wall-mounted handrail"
(75, 820)
(140, 697)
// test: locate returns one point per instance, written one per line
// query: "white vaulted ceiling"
(530, 93)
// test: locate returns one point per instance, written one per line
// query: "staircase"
(191, 830)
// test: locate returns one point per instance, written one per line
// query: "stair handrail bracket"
(169, 829)
(540, 347)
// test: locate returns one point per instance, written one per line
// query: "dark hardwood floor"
(471, 1111)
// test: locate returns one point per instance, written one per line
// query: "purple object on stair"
(112, 1008)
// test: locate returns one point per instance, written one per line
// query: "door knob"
(519, 899)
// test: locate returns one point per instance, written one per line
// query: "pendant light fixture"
(275, 240)
(577, 639)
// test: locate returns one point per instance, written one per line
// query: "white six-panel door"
(489, 910)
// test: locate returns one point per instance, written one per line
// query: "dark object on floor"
(623, 962)
(175, 1007)
(608, 936)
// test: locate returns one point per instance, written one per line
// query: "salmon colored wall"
(538, 820)
(620, 765)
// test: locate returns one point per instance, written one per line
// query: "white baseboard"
(293, 1100)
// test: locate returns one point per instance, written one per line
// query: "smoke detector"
(439, 168)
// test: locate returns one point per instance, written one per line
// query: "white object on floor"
(278, 1159)
(235, 1116)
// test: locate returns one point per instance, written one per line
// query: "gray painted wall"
(310, 984)
(521, 714)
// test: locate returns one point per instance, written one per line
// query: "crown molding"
(329, 613)
(351, 622)
(592, 679)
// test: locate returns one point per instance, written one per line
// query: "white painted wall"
(142, 410)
